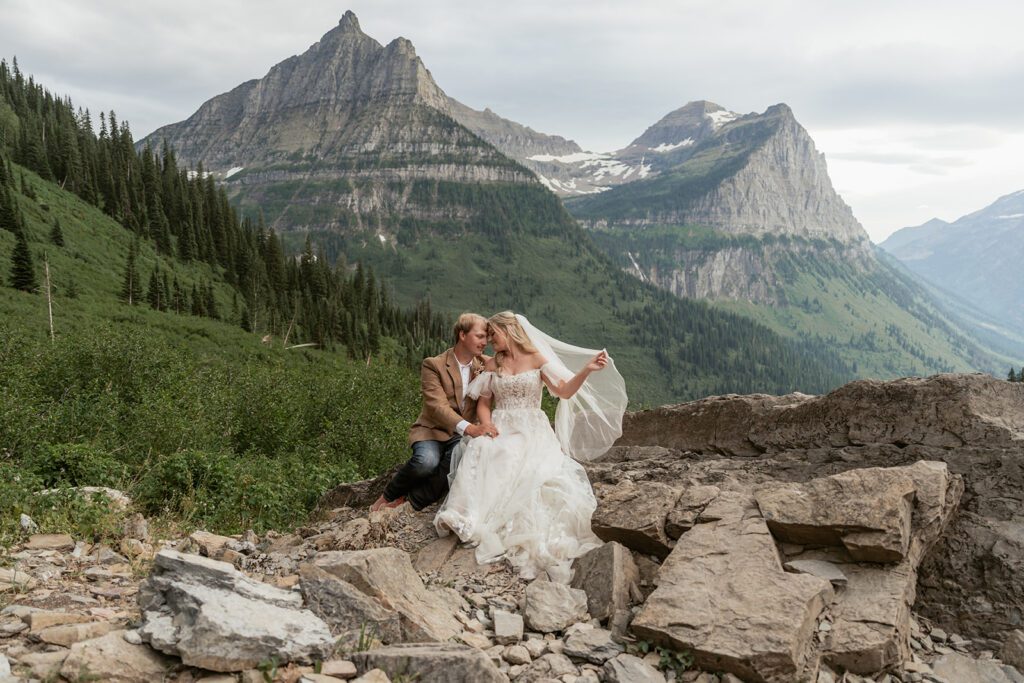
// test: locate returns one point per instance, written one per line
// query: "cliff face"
(338, 137)
(755, 272)
(783, 188)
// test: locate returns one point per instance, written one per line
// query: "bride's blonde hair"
(508, 325)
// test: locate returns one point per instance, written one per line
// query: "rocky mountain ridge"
(976, 257)
(334, 139)
(843, 535)
(752, 175)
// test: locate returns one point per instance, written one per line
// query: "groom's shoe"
(383, 502)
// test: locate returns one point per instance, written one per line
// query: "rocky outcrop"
(974, 424)
(946, 413)
(723, 595)
(214, 617)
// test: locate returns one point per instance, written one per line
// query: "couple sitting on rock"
(514, 489)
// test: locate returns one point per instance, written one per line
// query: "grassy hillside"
(198, 420)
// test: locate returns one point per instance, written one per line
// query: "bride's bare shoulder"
(537, 361)
(490, 365)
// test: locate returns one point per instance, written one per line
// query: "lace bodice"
(514, 392)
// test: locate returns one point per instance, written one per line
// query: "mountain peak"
(402, 46)
(349, 21)
(689, 124)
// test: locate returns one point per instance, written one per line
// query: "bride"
(516, 493)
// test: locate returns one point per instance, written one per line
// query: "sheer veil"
(588, 423)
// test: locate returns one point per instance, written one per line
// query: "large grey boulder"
(723, 595)
(216, 618)
(551, 607)
(431, 663)
(386, 575)
(609, 576)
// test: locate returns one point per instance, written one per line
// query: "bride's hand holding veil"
(568, 388)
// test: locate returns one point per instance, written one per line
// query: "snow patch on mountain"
(232, 171)
(557, 186)
(573, 158)
(665, 147)
(720, 118)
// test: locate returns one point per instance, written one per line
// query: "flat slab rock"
(111, 658)
(723, 595)
(868, 511)
(431, 663)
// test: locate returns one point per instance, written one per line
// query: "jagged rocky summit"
(870, 534)
(353, 137)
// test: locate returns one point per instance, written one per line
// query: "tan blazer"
(441, 384)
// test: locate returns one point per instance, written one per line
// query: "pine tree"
(1011, 376)
(211, 302)
(56, 234)
(198, 309)
(131, 286)
(23, 272)
(9, 216)
(153, 294)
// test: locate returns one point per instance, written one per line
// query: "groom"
(447, 415)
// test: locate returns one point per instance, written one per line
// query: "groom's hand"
(481, 430)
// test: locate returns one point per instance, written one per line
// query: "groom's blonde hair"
(465, 323)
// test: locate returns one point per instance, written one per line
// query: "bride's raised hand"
(598, 362)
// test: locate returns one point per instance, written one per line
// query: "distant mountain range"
(977, 257)
(354, 144)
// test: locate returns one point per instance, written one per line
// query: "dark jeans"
(423, 480)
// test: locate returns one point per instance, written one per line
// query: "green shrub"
(76, 465)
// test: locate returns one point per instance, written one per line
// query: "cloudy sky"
(916, 104)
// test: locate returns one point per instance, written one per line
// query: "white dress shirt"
(465, 371)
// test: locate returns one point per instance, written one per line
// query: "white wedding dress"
(519, 495)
